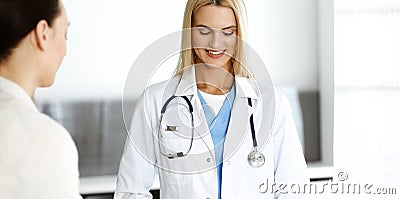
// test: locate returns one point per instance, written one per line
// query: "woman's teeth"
(215, 52)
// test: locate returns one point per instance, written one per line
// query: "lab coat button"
(228, 162)
(208, 159)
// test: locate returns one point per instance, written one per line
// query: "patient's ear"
(41, 35)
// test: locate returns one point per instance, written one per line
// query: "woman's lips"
(215, 54)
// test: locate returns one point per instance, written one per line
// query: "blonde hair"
(187, 56)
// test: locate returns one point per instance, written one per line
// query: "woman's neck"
(214, 80)
(18, 75)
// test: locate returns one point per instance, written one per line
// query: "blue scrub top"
(218, 126)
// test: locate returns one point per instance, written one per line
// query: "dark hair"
(19, 17)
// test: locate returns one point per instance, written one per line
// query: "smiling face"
(214, 36)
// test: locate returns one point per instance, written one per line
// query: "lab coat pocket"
(176, 178)
(172, 143)
(173, 173)
(171, 134)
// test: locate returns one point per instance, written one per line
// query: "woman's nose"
(215, 41)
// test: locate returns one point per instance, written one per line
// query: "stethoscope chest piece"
(255, 158)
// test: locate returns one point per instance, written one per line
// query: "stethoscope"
(255, 158)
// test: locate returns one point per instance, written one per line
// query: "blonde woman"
(211, 131)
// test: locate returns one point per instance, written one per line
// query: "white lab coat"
(38, 158)
(195, 175)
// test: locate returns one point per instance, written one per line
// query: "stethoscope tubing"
(253, 132)
(190, 106)
(163, 109)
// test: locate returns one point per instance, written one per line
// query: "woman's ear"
(42, 34)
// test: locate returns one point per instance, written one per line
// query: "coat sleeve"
(290, 165)
(137, 167)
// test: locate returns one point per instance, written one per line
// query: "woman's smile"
(215, 53)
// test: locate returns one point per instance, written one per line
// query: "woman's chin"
(218, 64)
(46, 83)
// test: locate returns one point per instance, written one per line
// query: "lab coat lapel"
(202, 129)
(187, 87)
(238, 126)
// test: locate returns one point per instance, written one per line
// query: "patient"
(38, 158)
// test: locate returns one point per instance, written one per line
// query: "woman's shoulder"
(163, 84)
(50, 126)
(280, 96)
(33, 135)
(157, 90)
(32, 126)
(50, 131)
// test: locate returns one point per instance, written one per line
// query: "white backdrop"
(367, 91)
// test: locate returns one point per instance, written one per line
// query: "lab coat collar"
(187, 84)
(245, 87)
(8, 87)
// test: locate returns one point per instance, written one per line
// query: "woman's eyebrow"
(229, 27)
(204, 26)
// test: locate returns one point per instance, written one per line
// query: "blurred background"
(336, 60)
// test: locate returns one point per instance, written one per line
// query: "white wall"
(285, 35)
(106, 36)
(326, 79)
(367, 90)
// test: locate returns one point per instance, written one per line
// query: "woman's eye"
(204, 31)
(228, 33)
